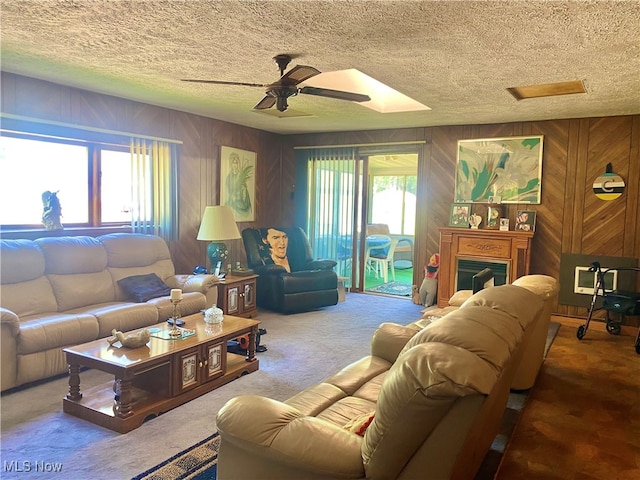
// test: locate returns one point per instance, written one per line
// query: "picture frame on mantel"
(459, 215)
(238, 182)
(526, 221)
(508, 167)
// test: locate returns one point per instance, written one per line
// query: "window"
(115, 181)
(394, 202)
(92, 181)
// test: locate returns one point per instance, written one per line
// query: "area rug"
(200, 461)
(392, 288)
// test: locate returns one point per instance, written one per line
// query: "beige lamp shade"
(218, 223)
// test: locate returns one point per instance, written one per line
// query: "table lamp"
(218, 224)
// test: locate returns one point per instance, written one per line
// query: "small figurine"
(133, 340)
(52, 211)
(475, 220)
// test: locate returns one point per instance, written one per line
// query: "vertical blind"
(333, 196)
(154, 183)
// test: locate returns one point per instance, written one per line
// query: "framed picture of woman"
(238, 182)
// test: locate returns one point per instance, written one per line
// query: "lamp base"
(218, 254)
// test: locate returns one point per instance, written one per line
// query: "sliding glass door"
(346, 190)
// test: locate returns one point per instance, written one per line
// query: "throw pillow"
(144, 287)
(359, 424)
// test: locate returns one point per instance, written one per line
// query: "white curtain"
(154, 175)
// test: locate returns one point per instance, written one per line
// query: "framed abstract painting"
(509, 167)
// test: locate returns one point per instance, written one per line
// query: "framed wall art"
(509, 168)
(238, 182)
(526, 221)
(459, 216)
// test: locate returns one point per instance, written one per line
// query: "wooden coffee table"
(160, 375)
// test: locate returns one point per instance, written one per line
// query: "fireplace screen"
(467, 268)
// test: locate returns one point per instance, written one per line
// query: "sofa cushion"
(491, 335)
(141, 288)
(516, 301)
(20, 261)
(460, 297)
(121, 316)
(359, 424)
(315, 399)
(72, 255)
(45, 332)
(127, 250)
(544, 286)
(83, 289)
(29, 298)
(345, 409)
(357, 374)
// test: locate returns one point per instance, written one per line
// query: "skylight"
(384, 99)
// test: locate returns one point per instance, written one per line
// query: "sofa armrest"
(197, 283)
(389, 339)
(281, 435)
(205, 284)
(7, 317)
(270, 269)
(320, 265)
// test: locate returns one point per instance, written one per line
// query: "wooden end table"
(160, 375)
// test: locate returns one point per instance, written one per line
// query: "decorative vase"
(213, 315)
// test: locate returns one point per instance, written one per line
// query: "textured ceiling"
(457, 57)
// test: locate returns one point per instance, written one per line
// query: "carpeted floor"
(200, 461)
(34, 428)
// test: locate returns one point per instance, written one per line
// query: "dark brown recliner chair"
(310, 284)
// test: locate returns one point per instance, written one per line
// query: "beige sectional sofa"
(427, 403)
(547, 288)
(62, 291)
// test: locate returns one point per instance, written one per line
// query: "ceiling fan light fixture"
(281, 103)
(547, 90)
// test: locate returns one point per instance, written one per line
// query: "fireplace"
(507, 253)
(468, 267)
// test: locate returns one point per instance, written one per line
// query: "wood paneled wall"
(199, 167)
(570, 218)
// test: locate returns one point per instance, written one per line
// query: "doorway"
(391, 217)
(350, 192)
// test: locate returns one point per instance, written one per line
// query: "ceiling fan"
(279, 91)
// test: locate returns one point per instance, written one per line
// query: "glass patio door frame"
(350, 255)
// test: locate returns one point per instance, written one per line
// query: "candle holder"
(175, 331)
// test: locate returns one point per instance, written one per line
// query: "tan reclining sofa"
(545, 287)
(62, 291)
(425, 404)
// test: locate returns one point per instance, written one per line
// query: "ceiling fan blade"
(267, 102)
(298, 74)
(221, 82)
(340, 95)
